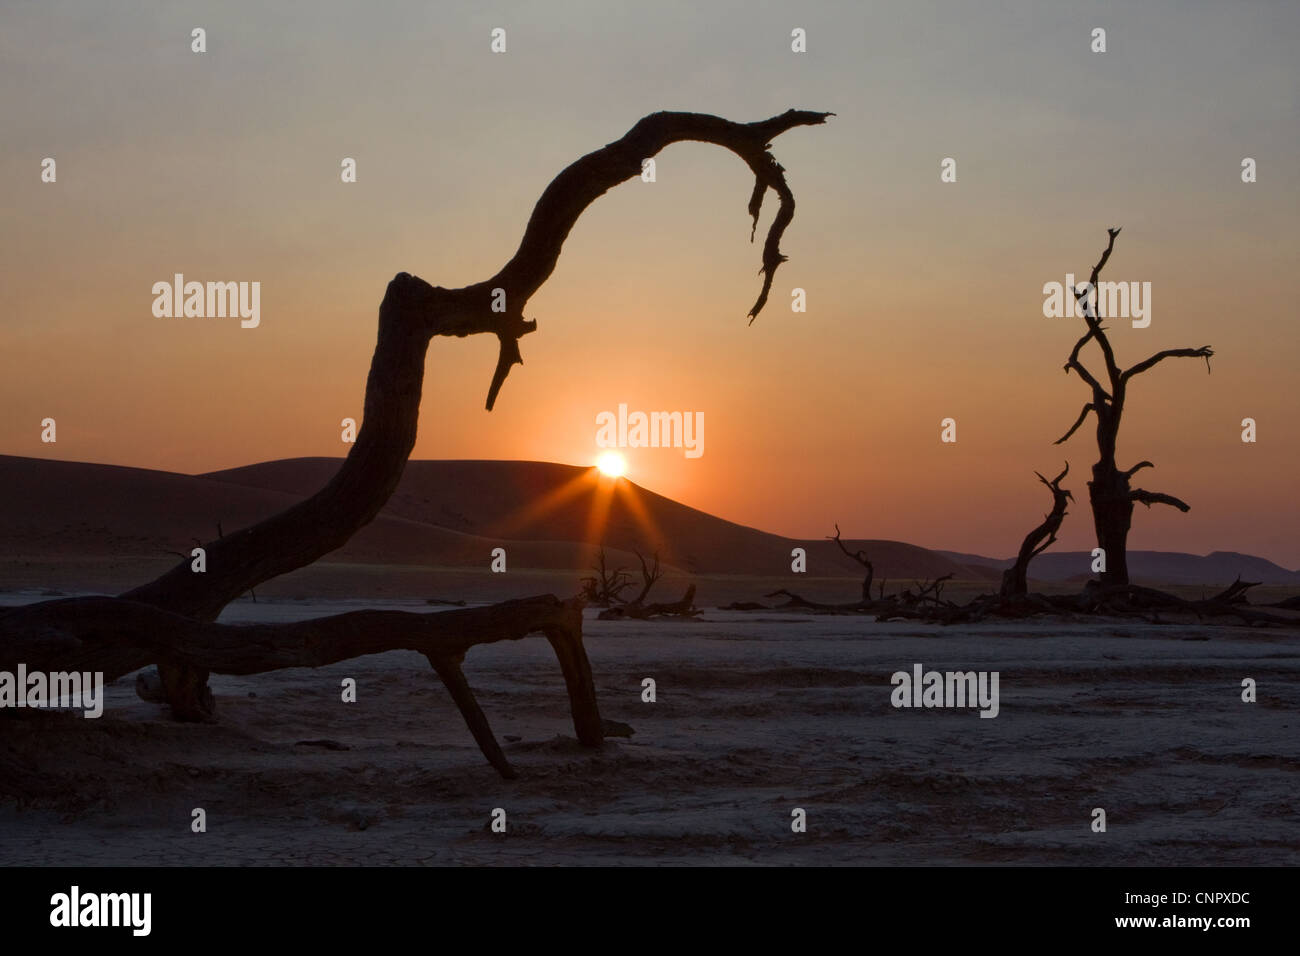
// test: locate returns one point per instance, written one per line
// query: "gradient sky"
(924, 299)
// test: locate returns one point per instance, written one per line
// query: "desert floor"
(756, 714)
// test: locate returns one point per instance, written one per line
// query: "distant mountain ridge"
(453, 513)
(1166, 567)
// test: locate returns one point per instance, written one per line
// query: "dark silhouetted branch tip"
(1203, 352)
(1150, 498)
(1077, 422)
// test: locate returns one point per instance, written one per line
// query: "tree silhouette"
(861, 558)
(170, 621)
(607, 585)
(1109, 491)
(1015, 579)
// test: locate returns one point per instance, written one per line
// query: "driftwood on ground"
(637, 609)
(681, 609)
(1123, 600)
(115, 637)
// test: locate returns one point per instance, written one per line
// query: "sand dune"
(543, 501)
(444, 513)
(103, 526)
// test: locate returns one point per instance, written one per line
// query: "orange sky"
(924, 299)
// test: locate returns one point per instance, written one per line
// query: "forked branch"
(1095, 330)
(650, 575)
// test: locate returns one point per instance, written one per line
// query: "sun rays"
(603, 485)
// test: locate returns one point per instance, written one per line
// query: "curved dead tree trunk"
(1109, 491)
(1015, 579)
(412, 312)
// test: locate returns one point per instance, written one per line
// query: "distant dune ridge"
(453, 513)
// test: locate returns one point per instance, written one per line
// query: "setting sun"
(612, 465)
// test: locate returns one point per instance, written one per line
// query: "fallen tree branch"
(1125, 600)
(684, 608)
(115, 637)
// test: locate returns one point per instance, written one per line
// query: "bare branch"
(1150, 498)
(861, 558)
(587, 179)
(1094, 323)
(1136, 468)
(607, 586)
(858, 556)
(649, 576)
(1101, 263)
(928, 590)
(508, 356)
(1081, 370)
(1077, 422)
(1055, 482)
(1203, 352)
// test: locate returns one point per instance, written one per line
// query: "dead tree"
(606, 586)
(1109, 491)
(1015, 578)
(860, 557)
(169, 621)
(638, 609)
(685, 608)
(863, 604)
(927, 592)
(649, 577)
